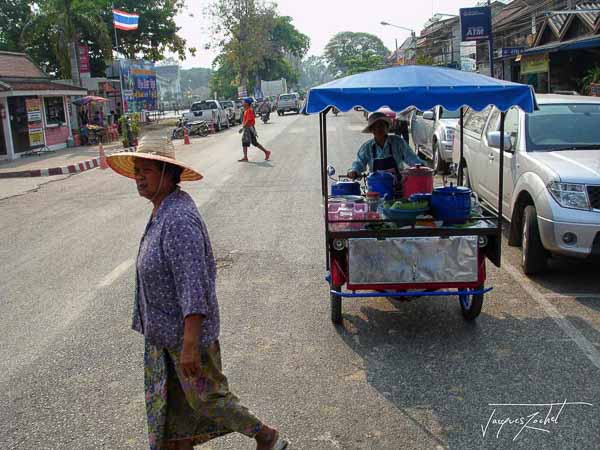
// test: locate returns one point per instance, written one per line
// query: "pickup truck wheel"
(534, 255)
(439, 165)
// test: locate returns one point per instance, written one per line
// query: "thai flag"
(125, 21)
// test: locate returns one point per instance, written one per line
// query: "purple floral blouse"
(176, 275)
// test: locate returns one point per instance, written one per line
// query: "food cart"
(424, 257)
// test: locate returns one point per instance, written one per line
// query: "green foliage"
(424, 60)
(48, 29)
(314, 71)
(157, 31)
(255, 43)
(14, 14)
(134, 126)
(350, 52)
(592, 76)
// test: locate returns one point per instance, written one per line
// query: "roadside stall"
(426, 240)
(92, 126)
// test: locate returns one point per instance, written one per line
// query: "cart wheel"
(336, 306)
(471, 305)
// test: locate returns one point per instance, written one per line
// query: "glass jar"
(373, 202)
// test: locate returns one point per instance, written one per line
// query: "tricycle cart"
(415, 260)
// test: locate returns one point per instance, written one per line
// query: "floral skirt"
(199, 409)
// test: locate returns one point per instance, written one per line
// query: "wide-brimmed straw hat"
(155, 149)
(376, 117)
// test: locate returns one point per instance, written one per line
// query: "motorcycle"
(195, 128)
(264, 116)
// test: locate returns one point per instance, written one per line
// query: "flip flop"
(281, 444)
(243, 160)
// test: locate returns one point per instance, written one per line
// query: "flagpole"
(119, 62)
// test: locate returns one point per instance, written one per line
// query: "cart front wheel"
(471, 305)
(336, 306)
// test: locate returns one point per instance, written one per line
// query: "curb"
(65, 170)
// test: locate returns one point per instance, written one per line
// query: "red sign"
(84, 59)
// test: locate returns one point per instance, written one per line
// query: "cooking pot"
(417, 180)
(340, 188)
(452, 204)
(382, 182)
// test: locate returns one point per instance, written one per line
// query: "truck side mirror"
(428, 115)
(493, 138)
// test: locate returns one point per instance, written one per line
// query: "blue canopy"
(422, 87)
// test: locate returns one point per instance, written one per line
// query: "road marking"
(571, 295)
(586, 346)
(116, 273)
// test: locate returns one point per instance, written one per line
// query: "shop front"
(35, 111)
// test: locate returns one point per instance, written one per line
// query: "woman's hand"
(190, 360)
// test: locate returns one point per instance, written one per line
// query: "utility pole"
(491, 41)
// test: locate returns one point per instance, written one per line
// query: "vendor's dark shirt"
(176, 275)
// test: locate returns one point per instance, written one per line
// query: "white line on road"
(571, 295)
(568, 328)
(116, 273)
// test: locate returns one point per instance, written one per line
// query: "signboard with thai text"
(84, 59)
(535, 63)
(475, 23)
(139, 86)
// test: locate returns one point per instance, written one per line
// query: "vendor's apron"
(387, 164)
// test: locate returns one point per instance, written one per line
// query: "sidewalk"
(61, 162)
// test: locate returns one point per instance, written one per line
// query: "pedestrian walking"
(249, 135)
(188, 400)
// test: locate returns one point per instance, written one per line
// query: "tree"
(56, 27)
(314, 71)
(14, 14)
(348, 52)
(157, 30)
(255, 42)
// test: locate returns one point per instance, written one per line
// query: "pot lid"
(380, 174)
(418, 170)
(452, 189)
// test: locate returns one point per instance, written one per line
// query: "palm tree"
(59, 25)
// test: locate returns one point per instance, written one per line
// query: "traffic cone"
(103, 162)
(186, 136)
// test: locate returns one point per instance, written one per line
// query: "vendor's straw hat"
(376, 117)
(155, 149)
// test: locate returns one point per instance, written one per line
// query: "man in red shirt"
(249, 136)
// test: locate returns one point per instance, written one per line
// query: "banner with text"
(139, 86)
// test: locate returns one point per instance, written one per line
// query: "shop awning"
(573, 44)
(23, 86)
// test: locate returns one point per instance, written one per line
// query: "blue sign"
(476, 24)
(507, 52)
(139, 86)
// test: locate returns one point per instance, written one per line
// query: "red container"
(417, 180)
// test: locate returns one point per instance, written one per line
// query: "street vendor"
(386, 152)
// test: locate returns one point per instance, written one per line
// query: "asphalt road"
(396, 376)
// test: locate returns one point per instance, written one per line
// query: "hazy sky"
(321, 19)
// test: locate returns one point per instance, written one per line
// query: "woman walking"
(249, 132)
(188, 400)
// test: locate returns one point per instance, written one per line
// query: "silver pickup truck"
(433, 135)
(551, 174)
(209, 110)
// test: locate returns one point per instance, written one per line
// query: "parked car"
(551, 174)
(209, 110)
(234, 113)
(288, 102)
(433, 135)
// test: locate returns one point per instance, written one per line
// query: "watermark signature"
(542, 418)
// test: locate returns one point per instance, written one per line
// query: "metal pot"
(417, 180)
(452, 204)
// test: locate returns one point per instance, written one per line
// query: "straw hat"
(376, 117)
(156, 149)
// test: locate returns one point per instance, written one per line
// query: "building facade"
(35, 111)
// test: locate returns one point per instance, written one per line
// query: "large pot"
(381, 182)
(417, 180)
(452, 204)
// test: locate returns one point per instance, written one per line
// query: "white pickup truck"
(209, 110)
